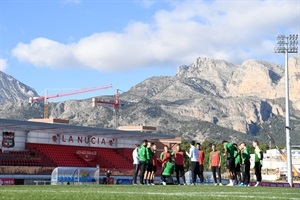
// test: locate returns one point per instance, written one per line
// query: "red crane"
(46, 97)
(115, 104)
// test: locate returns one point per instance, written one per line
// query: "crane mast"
(115, 104)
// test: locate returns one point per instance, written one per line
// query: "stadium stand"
(46, 155)
(19, 158)
(66, 156)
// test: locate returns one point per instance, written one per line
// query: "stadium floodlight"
(287, 44)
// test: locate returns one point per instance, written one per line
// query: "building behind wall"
(274, 165)
(160, 143)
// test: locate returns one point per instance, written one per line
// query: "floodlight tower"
(287, 44)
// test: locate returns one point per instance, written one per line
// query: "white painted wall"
(72, 140)
(127, 142)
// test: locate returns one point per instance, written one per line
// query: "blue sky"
(64, 45)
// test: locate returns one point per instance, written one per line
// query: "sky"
(66, 45)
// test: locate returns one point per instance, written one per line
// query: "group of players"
(145, 163)
(237, 163)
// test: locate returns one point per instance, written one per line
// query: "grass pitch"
(124, 192)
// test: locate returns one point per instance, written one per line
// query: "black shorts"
(237, 168)
(154, 169)
(149, 167)
(179, 168)
(230, 164)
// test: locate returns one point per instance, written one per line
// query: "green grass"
(170, 192)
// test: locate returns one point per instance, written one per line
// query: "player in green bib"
(237, 162)
(245, 165)
(167, 170)
(143, 157)
(229, 149)
(148, 170)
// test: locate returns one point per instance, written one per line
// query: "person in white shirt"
(193, 154)
(136, 163)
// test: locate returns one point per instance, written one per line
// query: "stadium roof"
(9, 124)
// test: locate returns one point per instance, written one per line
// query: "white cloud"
(72, 1)
(3, 64)
(230, 30)
(44, 52)
(146, 3)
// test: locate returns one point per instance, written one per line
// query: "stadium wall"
(14, 140)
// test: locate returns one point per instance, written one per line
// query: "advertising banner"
(7, 181)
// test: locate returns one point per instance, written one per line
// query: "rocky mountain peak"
(12, 90)
(206, 68)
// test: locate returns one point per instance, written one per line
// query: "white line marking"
(191, 194)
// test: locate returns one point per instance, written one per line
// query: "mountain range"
(208, 99)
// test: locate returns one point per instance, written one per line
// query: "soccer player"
(154, 164)
(258, 157)
(230, 163)
(215, 159)
(245, 164)
(194, 155)
(168, 170)
(136, 163)
(201, 162)
(179, 157)
(143, 156)
(165, 155)
(237, 162)
(148, 170)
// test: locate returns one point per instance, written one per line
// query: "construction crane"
(283, 155)
(46, 97)
(115, 104)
